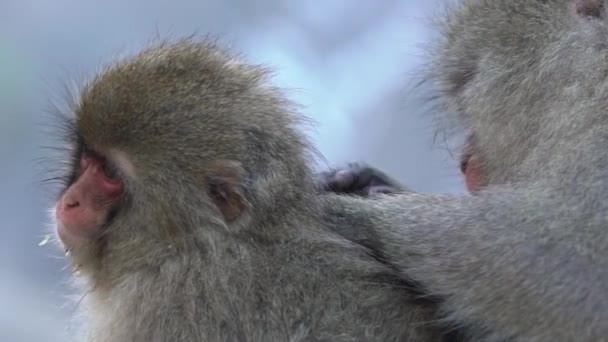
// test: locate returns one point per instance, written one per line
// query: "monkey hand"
(357, 179)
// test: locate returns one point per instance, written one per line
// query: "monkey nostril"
(69, 204)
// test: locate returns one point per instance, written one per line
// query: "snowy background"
(348, 62)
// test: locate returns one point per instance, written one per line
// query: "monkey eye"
(464, 162)
(85, 160)
(110, 170)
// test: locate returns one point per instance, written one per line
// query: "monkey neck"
(210, 243)
(213, 275)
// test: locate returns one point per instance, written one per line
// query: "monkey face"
(470, 165)
(84, 208)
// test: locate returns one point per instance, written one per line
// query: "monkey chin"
(70, 241)
(77, 247)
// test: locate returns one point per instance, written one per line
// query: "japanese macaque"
(191, 214)
(526, 257)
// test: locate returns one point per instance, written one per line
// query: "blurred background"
(350, 63)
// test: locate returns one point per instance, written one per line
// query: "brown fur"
(220, 235)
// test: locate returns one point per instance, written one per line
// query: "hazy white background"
(348, 62)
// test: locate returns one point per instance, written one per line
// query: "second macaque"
(525, 258)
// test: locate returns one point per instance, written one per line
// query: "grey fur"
(527, 257)
(168, 267)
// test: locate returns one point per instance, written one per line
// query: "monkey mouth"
(70, 241)
(73, 242)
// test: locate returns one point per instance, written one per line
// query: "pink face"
(83, 209)
(470, 165)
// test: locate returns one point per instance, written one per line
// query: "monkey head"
(165, 157)
(504, 86)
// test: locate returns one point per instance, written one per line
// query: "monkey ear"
(225, 188)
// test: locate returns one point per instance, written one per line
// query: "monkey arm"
(533, 283)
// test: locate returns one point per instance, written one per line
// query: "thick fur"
(178, 118)
(526, 258)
